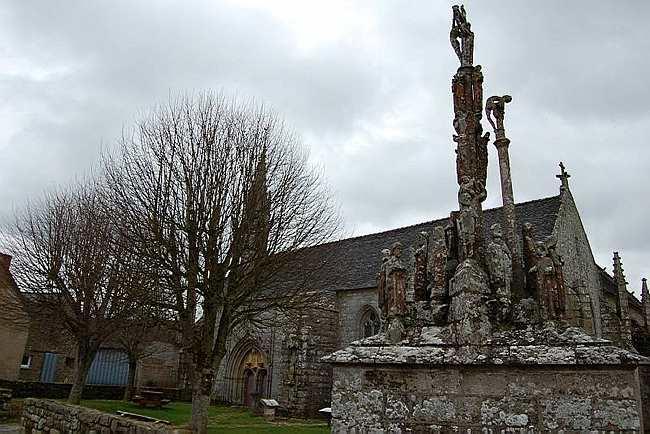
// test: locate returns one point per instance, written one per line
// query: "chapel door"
(249, 388)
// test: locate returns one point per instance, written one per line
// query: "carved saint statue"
(495, 108)
(462, 37)
(391, 283)
(438, 254)
(550, 290)
(499, 262)
(467, 219)
(451, 242)
(530, 258)
(381, 284)
(420, 278)
(558, 263)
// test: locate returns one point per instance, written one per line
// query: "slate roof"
(353, 263)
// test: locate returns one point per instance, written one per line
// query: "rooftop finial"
(563, 177)
(619, 276)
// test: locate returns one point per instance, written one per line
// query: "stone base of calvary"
(476, 329)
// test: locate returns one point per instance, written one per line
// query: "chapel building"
(284, 363)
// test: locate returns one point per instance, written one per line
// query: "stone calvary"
(484, 329)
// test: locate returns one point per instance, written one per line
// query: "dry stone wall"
(45, 416)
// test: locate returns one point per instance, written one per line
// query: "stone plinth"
(522, 381)
(469, 292)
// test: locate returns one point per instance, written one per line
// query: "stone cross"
(563, 177)
(471, 144)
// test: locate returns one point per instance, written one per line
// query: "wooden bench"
(150, 398)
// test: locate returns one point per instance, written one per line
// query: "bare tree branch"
(218, 197)
(71, 263)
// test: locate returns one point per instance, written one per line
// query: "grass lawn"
(221, 418)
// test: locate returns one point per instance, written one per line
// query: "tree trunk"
(130, 385)
(85, 355)
(201, 391)
(204, 368)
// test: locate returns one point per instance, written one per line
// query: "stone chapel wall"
(304, 382)
(351, 305)
(573, 246)
(297, 378)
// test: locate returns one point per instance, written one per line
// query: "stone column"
(645, 300)
(509, 217)
(468, 289)
(622, 302)
(495, 107)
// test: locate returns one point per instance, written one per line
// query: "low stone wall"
(34, 389)
(45, 416)
(368, 398)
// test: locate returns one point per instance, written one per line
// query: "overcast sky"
(366, 84)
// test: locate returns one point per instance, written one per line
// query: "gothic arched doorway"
(254, 377)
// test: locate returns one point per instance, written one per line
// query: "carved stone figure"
(467, 220)
(438, 254)
(381, 284)
(477, 88)
(395, 282)
(420, 278)
(451, 242)
(550, 290)
(495, 111)
(481, 166)
(395, 330)
(462, 37)
(530, 258)
(558, 264)
(499, 261)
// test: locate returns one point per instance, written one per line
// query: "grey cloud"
(375, 108)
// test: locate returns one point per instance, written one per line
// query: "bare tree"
(218, 196)
(148, 325)
(71, 263)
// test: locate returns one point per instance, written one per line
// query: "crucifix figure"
(462, 37)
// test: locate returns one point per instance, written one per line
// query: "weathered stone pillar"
(622, 302)
(469, 288)
(471, 144)
(495, 106)
(645, 300)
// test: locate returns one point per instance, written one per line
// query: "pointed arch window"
(370, 323)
